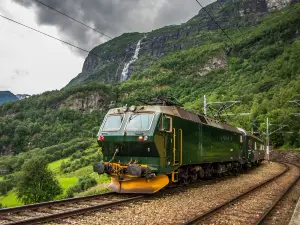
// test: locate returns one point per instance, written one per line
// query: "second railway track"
(253, 205)
(48, 211)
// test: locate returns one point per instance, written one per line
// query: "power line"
(48, 35)
(94, 29)
(215, 22)
(237, 26)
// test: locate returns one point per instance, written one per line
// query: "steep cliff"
(198, 31)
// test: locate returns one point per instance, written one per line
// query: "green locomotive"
(146, 148)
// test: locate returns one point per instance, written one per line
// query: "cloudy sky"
(32, 63)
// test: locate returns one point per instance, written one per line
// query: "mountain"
(198, 31)
(7, 96)
(22, 96)
(258, 66)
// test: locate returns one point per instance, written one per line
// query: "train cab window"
(113, 123)
(140, 121)
(166, 123)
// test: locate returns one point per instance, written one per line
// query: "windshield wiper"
(133, 116)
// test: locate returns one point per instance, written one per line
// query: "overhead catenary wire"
(223, 31)
(64, 14)
(48, 35)
(232, 20)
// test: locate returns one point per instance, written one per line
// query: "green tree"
(37, 183)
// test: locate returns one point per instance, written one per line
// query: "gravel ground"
(283, 211)
(250, 208)
(178, 208)
(48, 210)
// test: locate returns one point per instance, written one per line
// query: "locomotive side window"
(166, 123)
(140, 121)
(113, 123)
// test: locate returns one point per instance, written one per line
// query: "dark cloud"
(112, 17)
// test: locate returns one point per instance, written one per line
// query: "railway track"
(254, 205)
(48, 211)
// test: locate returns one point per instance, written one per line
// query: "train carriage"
(145, 148)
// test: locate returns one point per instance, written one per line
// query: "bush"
(76, 155)
(5, 187)
(83, 184)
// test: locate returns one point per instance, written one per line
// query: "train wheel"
(201, 174)
(194, 177)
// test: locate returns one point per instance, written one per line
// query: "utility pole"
(223, 106)
(268, 133)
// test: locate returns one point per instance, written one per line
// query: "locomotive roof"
(180, 112)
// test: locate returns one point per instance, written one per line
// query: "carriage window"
(113, 123)
(140, 121)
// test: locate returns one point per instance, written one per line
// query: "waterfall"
(124, 75)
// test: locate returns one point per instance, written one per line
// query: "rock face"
(285, 156)
(88, 103)
(114, 54)
(22, 96)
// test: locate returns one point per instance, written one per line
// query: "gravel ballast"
(252, 206)
(180, 207)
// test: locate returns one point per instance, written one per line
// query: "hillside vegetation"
(260, 69)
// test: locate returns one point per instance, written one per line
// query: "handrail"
(174, 146)
(180, 130)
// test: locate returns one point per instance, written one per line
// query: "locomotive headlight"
(132, 108)
(101, 138)
(140, 138)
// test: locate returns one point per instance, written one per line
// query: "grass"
(88, 170)
(10, 200)
(1, 178)
(99, 189)
(67, 182)
(55, 166)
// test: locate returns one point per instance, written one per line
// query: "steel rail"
(227, 203)
(69, 213)
(280, 197)
(52, 203)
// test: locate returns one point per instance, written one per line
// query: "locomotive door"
(173, 140)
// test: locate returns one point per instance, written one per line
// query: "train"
(149, 147)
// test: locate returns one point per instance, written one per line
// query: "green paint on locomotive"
(171, 138)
